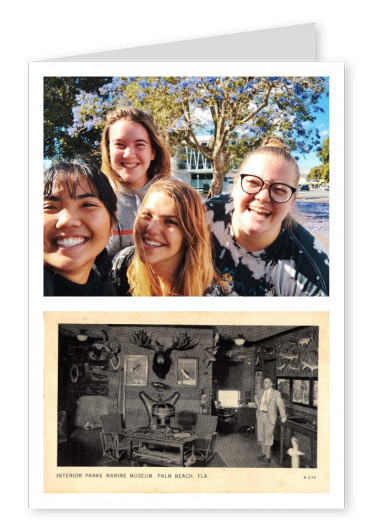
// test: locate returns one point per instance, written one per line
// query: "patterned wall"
(279, 352)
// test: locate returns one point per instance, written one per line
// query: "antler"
(184, 342)
(142, 339)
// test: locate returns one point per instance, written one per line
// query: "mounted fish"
(289, 355)
(162, 353)
(310, 362)
(304, 341)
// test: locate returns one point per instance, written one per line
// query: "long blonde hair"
(159, 168)
(196, 272)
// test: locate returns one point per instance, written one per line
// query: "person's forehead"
(265, 165)
(72, 185)
(128, 128)
(161, 201)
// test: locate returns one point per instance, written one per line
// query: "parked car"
(304, 188)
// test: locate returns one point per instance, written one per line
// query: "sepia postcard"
(105, 434)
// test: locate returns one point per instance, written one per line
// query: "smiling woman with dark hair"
(259, 248)
(79, 213)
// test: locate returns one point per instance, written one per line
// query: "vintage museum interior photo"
(152, 395)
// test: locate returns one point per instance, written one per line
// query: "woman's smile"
(68, 243)
(152, 243)
(159, 239)
(257, 219)
(131, 152)
(259, 212)
(76, 230)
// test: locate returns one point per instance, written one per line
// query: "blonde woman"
(172, 254)
(133, 157)
(259, 248)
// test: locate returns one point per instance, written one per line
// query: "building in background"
(192, 167)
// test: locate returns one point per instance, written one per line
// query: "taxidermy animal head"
(162, 353)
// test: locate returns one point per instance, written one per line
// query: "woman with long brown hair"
(134, 156)
(172, 255)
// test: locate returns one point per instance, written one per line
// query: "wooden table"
(170, 451)
(246, 417)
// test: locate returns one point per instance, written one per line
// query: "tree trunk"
(220, 167)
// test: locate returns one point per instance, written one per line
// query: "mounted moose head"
(162, 353)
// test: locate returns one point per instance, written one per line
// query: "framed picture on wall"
(136, 370)
(283, 386)
(187, 372)
(300, 392)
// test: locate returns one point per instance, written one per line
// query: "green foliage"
(237, 112)
(59, 98)
(315, 174)
(323, 153)
(321, 173)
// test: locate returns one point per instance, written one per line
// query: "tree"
(59, 98)
(235, 111)
(321, 173)
(315, 174)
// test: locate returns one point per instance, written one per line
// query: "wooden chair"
(205, 429)
(113, 436)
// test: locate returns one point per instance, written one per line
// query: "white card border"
(334, 304)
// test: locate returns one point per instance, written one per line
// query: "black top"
(122, 261)
(295, 264)
(59, 286)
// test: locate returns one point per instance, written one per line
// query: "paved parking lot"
(317, 196)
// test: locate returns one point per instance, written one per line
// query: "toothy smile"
(259, 211)
(153, 243)
(69, 242)
(130, 164)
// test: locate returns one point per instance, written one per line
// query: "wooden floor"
(240, 450)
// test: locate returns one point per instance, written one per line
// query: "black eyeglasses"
(278, 192)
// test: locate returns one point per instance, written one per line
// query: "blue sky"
(322, 123)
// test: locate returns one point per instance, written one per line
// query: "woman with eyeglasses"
(259, 248)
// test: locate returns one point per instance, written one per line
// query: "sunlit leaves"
(236, 111)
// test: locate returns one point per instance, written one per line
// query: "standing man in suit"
(268, 401)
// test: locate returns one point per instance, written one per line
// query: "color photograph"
(186, 186)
